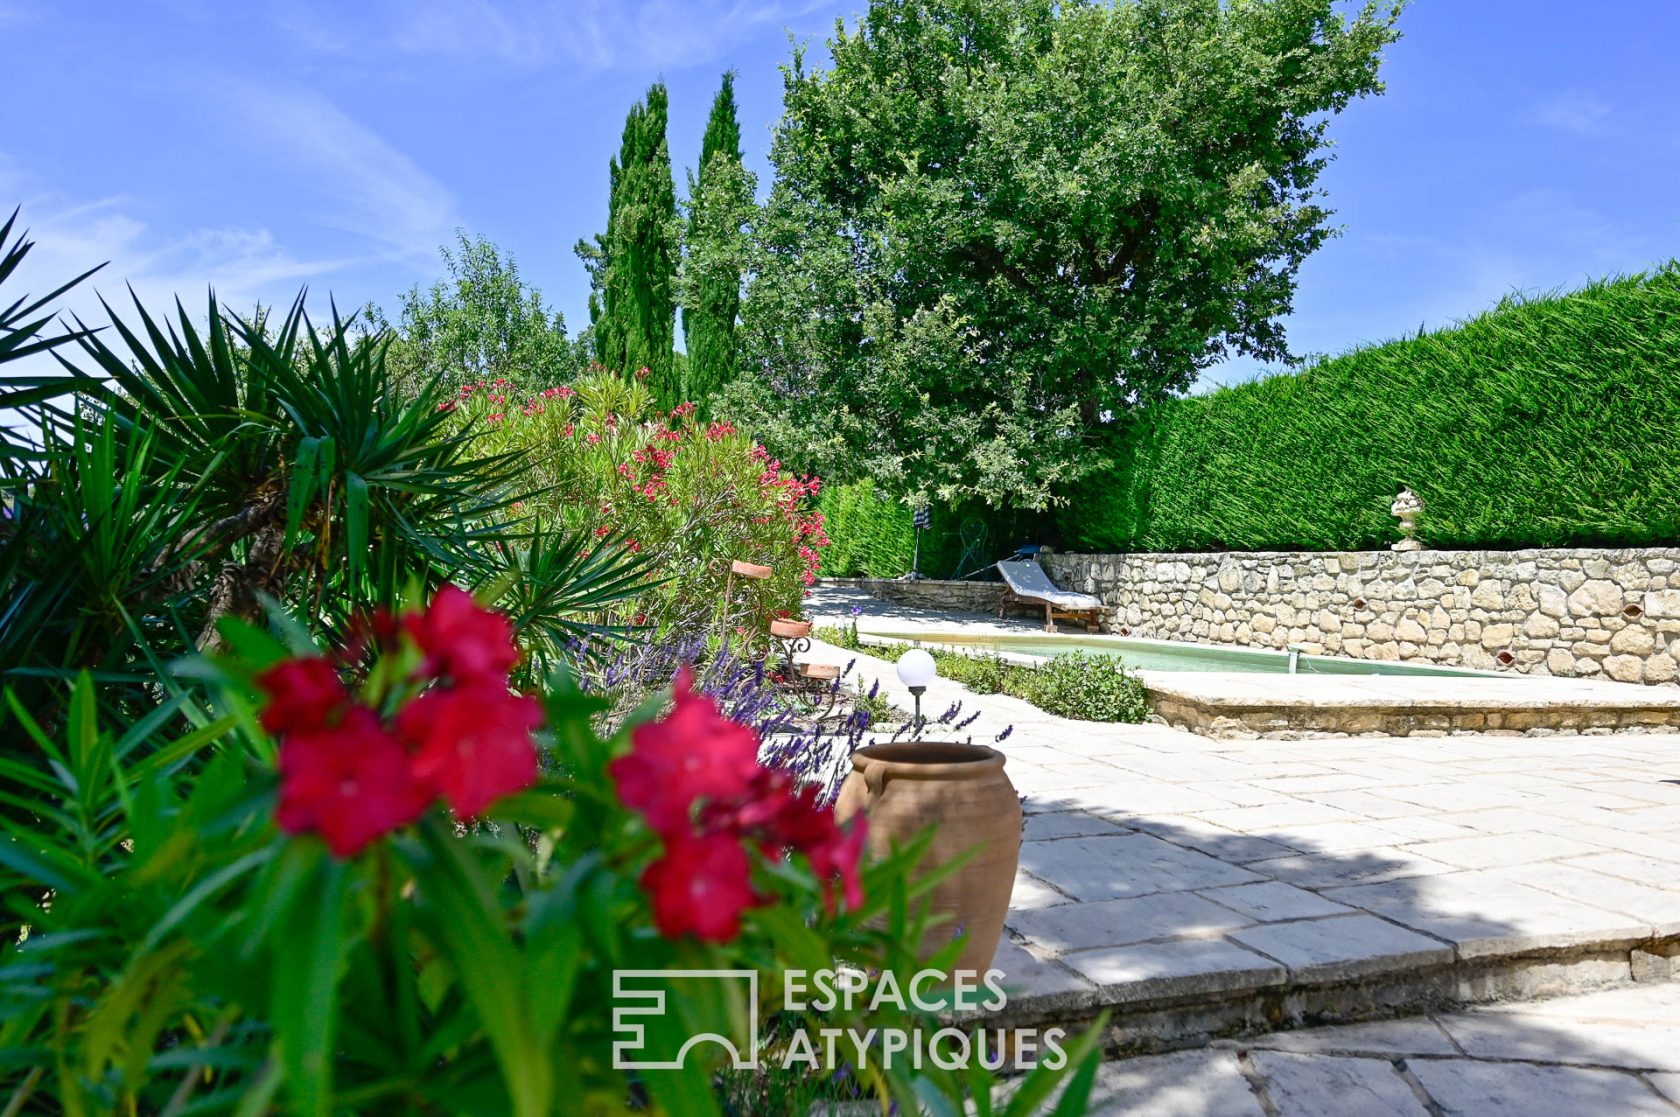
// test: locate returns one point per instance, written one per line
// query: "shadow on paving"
(1120, 909)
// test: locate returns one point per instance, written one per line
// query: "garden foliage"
(1545, 422)
(997, 222)
(377, 880)
(688, 496)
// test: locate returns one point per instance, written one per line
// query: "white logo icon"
(640, 996)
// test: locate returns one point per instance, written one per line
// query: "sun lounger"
(1028, 584)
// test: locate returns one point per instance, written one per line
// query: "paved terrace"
(1203, 887)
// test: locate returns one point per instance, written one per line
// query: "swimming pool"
(1170, 655)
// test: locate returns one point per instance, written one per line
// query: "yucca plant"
(182, 472)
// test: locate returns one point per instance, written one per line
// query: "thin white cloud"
(593, 35)
(366, 186)
(16, 13)
(245, 265)
(1575, 111)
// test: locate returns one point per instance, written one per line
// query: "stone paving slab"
(1352, 1085)
(1179, 968)
(1602, 1055)
(1077, 926)
(1482, 914)
(1342, 948)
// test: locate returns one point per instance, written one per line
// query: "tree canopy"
(997, 225)
(481, 323)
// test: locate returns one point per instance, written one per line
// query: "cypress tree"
(634, 265)
(719, 198)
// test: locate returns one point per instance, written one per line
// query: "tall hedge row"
(870, 534)
(1550, 421)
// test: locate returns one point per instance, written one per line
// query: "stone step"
(1237, 705)
(1347, 970)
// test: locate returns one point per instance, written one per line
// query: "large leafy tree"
(719, 207)
(481, 323)
(634, 265)
(999, 224)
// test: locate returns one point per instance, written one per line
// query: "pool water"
(1162, 655)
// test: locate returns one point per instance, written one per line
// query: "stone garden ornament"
(1405, 508)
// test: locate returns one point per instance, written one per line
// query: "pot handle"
(875, 779)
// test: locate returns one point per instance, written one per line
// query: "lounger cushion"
(1028, 579)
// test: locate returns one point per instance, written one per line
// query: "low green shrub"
(983, 674)
(1078, 685)
(1087, 687)
(1544, 422)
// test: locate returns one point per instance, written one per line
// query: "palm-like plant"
(184, 473)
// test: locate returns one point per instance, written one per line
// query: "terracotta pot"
(960, 790)
(790, 630)
(750, 569)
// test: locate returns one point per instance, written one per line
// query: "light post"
(916, 669)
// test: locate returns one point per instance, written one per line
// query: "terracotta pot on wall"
(960, 790)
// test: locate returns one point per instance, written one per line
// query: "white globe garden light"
(916, 669)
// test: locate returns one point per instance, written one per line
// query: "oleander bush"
(688, 496)
(1547, 421)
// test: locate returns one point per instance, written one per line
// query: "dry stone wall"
(1593, 613)
(930, 593)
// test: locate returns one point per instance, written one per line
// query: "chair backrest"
(1027, 578)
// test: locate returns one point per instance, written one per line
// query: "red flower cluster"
(351, 778)
(695, 777)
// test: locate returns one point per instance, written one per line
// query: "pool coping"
(941, 635)
(1231, 704)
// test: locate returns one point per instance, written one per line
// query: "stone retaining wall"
(1599, 613)
(930, 593)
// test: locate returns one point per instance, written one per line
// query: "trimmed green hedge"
(1545, 422)
(870, 534)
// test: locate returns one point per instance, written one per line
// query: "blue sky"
(1522, 145)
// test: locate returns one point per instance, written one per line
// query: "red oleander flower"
(472, 742)
(781, 815)
(692, 753)
(700, 887)
(841, 855)
(350, 784)
(462, 639)
(303, 694)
